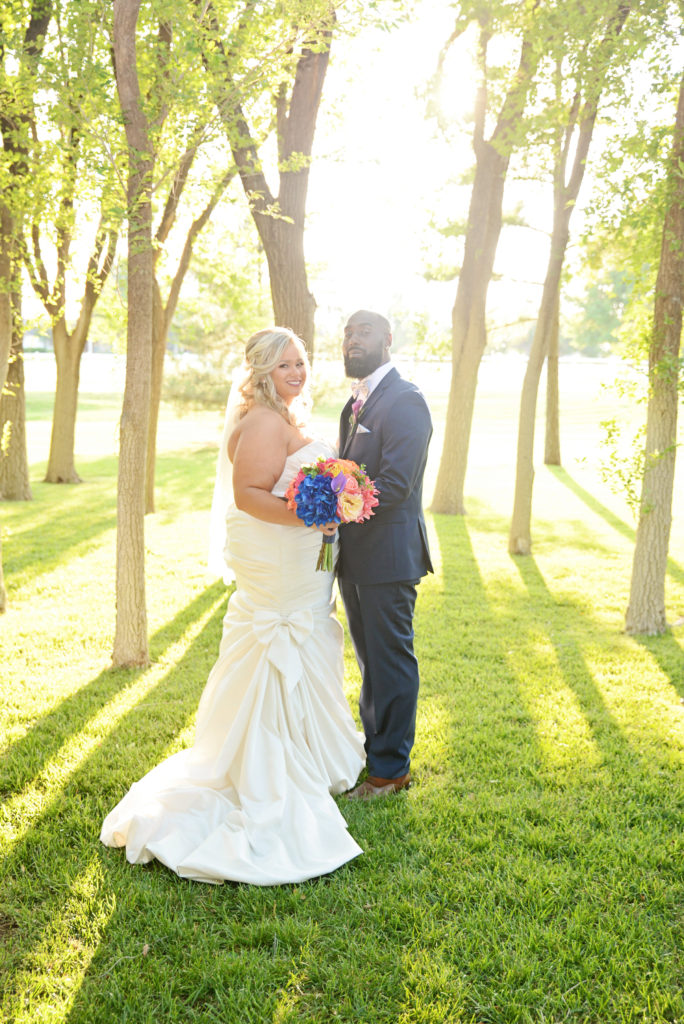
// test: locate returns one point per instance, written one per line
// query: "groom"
(386, 426)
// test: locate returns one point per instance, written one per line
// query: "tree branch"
(194, 230)
(240, 138)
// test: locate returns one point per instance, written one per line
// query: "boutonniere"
(357, 407)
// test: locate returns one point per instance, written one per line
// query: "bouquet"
(331, 491)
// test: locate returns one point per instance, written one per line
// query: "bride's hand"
(328, 528)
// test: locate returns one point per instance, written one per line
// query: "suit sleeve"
(406, 432)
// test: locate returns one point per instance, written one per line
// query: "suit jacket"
(391, 440)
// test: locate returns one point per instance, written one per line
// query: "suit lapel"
(373, 398)
(377, 392)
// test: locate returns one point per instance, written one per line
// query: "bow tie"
(360, 391)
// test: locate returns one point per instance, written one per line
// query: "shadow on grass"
(62, 838)
(23, 760)
(636, 763)
(669, 655)
(464, 668)
(563, 626)
(183, 482)
(577, 534)
(53, 528)
(675, 571)
(67, 520)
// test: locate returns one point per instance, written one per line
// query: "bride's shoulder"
(259, 426)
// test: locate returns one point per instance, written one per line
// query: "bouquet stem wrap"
(325, 555)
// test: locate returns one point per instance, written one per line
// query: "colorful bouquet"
(331, 491)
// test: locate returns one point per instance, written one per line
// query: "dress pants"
(380, 618)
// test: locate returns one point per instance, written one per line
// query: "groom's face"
(366, 344)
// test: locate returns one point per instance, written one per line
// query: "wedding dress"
(251, 799)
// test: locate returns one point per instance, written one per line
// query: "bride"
(251, 799)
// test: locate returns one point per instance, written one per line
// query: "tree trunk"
(646, 609)
(130, 640)
(61, 468)
(159, 334)
(6, 277)
(280, 219)
(14, 120)
(520, 541)
(552, 455)
(293, 304)
(469, 331)
(15, 484)
(580, 119)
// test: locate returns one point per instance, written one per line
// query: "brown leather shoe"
(373, 786)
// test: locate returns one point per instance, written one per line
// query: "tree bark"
(468, 331)
(279, 219)
(552, 453)
(646, 609)
(520, 541)
(15, 484)
(16, 121)
(159, 336)
(7, 234)
(69, 347)
(130, 640)
(61, 467)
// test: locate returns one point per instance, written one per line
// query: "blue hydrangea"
(316, 501)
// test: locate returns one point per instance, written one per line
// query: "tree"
(646, 609)
(17, 75)
(14, 471)
(164, 310)
(575, 135)
(279, 219)
(492, 157)
(62, 164)
(130, 640)
(6, 278)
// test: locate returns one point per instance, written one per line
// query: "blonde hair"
(263, 352)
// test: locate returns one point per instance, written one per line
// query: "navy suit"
(380, 563)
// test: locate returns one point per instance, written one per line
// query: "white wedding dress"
(251, 799)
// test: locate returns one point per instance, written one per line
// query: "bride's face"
(289, 376)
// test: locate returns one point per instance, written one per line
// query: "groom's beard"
(362, 366)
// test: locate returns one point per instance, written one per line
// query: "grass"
(532, 874)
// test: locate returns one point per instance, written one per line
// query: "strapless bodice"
(293, 463)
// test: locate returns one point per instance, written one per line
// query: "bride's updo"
(263, 352)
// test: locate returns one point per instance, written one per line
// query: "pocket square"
(362, 430)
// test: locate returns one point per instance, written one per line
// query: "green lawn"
(532, 873)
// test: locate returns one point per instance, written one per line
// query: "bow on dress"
(282, 635)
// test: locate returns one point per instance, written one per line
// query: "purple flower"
(338, 483)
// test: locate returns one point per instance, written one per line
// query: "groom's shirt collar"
(374, 378)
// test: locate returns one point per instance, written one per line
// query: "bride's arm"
(258, 459)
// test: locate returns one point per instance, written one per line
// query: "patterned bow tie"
(360, 391)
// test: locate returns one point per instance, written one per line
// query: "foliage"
(224, 302)
(623, 220)
(594, 327)
(622, 462)
(533, 872)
